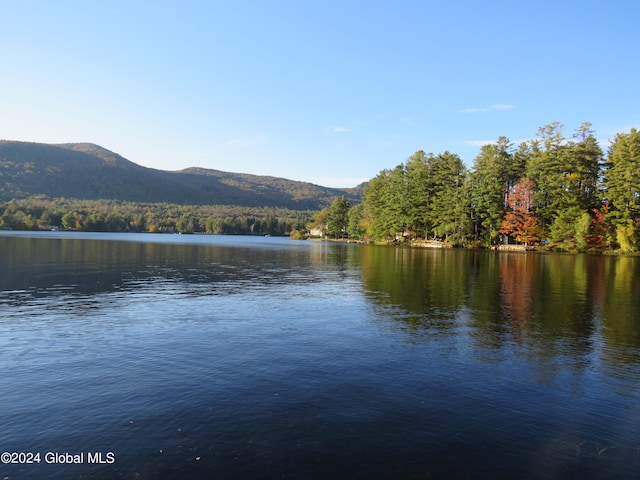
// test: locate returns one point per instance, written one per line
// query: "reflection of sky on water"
(412, 361)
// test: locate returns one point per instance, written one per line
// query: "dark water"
(180, 356)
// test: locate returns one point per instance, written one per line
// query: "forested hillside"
(85, 171)
(553, 191)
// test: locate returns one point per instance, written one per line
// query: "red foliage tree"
(519, 221)
(598, 237)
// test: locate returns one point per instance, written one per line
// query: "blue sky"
(329, 92)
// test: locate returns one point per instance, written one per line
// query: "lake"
(142, 356)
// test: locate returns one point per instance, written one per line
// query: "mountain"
(89, 172)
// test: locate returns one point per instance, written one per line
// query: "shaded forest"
(81, 186)
(85, 171)
(42, 213)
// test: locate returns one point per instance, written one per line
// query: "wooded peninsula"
(551, 192)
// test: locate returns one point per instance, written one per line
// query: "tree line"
(42, 213)
(552, 191)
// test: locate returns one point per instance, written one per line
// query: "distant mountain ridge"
(90, 172)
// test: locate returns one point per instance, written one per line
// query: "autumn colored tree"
(598, 237)
(520, 222)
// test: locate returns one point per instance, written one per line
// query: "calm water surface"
(252, 357)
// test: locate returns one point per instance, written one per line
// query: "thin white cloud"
(335, 130)
(605, 143)
(613, 131)
(247, 141)
(473, 110)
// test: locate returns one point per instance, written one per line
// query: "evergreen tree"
(622, 182)
(547, 169)
(496, 170)
(569, 229)
(420, 189)
(397, 201)
(586, 157)
(380, 220)
(459, 231)
(447, 175)
(419, 198)
(565, 173)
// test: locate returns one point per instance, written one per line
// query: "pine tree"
(420, 191)
(587, 156)
(547, 170)
(378, 221)
(622, 182)
(447, 175)
(496, 170)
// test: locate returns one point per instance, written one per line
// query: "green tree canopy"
(338, 217)
(622, 182)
